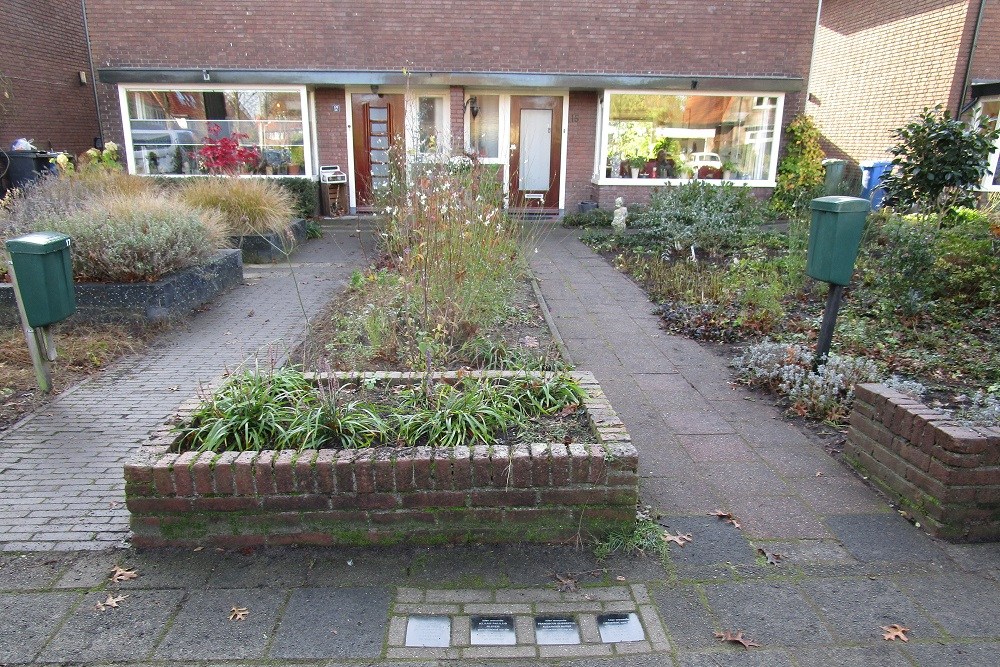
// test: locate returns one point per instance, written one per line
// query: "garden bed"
(537, 492)
(173, 295)
(945, 474)
(272, 246)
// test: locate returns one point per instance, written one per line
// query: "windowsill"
(651, 182)
(310, 176)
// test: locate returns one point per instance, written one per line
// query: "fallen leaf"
(198, 548)
(726, 516)
(680, 538)
(894, 632)
(568, 440)
(569, 409)
(238, 613)
(120, 574)
(736, 638)
(771, 558)
(620, 578)
(111, 602)
(530, 342)
(819, 473)
(567, 583)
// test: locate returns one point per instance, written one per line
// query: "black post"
(833, 299)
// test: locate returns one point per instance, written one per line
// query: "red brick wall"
(44, 50)
(580, 139)
(877, 64)
(986, 62)
(655, 37)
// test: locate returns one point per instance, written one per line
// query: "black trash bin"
(24, 167)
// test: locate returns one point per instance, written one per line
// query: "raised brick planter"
(945, 474)
(542, 492)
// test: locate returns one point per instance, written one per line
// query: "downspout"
(812, 55)
(968, 64)
(93, 72)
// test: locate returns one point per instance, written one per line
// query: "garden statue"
(621, 212)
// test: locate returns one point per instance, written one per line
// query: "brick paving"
(850, 566)
(61, 484)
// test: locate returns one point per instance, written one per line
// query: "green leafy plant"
(938, 161)
(597, 217)
(800, 172)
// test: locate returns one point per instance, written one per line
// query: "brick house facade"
(563, 83)
(42, 95)
(877, 65)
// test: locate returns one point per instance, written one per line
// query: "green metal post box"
(44, 273)
(834, 237)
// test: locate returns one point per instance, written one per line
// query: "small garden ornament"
(621, 212)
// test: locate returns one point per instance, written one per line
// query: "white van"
(155, 151)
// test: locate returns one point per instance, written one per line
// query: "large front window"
(668, 136)
(166, 128)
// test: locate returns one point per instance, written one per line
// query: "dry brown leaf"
(620, 578)
(736, 638)
(238, 613)
(727, 517)
(569, 409)
(120, 574)
(680, 538)
(894, 632)
(530, 342)
(771, 558)
(567, 583)
(111, 602)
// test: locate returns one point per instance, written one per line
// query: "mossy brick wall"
(541, 492)
(946, 474)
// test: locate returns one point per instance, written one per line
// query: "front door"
(378, 126)
(536, 153)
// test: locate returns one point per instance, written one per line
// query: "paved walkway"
(61, 484)
(849, 566)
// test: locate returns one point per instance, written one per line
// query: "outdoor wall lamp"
(374, 89)
(473, 105)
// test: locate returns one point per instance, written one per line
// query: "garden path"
(61, 484)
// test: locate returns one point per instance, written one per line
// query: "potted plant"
(298, 161)
(635, 163)
(728, 169)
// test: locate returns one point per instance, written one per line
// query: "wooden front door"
(378, 126)
(535, 161)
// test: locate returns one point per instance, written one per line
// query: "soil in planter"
(348, 335)
(83, 350)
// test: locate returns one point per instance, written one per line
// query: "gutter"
(968, 65)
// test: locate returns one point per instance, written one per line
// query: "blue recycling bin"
(872, 173)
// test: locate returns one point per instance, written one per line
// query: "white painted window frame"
(308, 120)
(604, 123)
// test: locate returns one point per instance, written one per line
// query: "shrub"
(826, 393)
(597, 217)
(305, 194)
(246, 206)
(132, 238)
(939, 161)
(800, 172)
(699, 215)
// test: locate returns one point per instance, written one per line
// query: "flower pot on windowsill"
(635, 172)
(294, 170)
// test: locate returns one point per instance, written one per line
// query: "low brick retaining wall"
(946, 474)
(176, 294)
(542, 492)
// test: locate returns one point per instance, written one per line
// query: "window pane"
(169, 127)
(484, 128)
(991, 108)
(430, 122)
(676, 136)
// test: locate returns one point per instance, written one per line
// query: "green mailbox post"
(834, 239)
(42, 273)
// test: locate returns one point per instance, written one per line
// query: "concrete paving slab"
(770, 613)
(862, 656)
(685, 616)
(887, 536)
(776, 517)
(735, 658)
(262, 568)
(125, 633)
(341, 623)
(28, 620)
(856, 610)
(966, 605)
(202, 630)
(954, 655)
(713, 541)
(20, 572)
(679, 494)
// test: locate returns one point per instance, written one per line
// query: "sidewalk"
(61, 484)
(850, 564)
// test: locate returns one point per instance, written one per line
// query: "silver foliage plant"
(826, 393)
